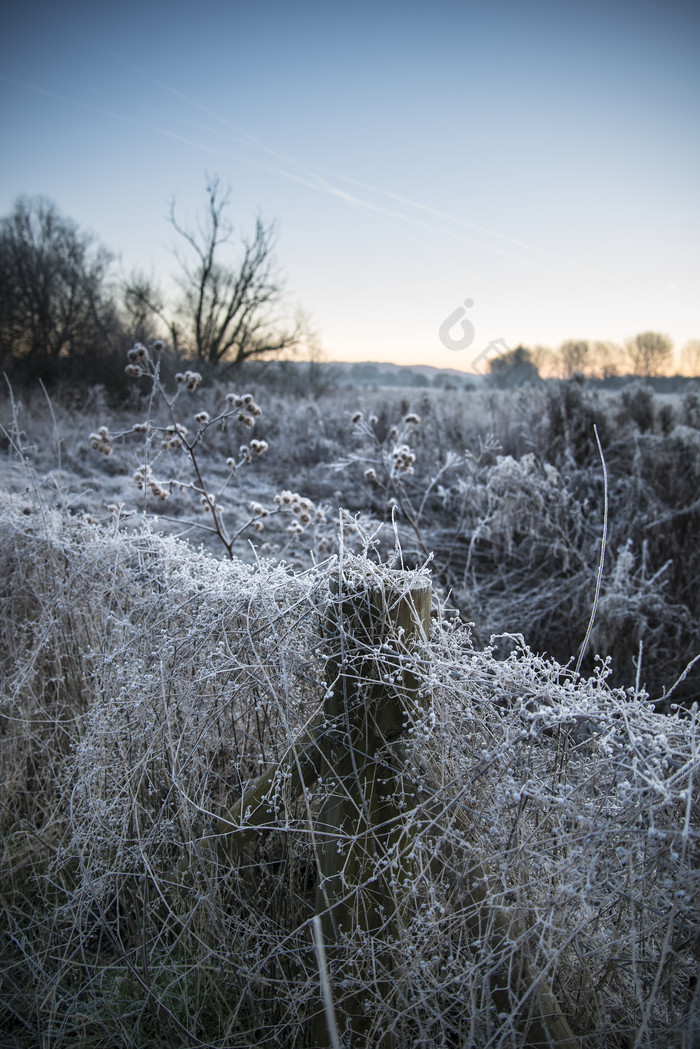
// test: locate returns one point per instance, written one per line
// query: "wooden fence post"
(362, 837)
(374, 620)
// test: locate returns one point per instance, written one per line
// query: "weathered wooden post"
(375, 618)
(362, 837)
(255, 812)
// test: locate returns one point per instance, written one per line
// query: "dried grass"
(144, 685)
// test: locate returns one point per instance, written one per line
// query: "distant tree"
(543, 359)
(649, 353)
(440, 382)
(513, 368)
(228, 308)
(143, 306)
(690, 358)
(412, 378)
(54, 299)
(365, 374)
(607, 358)
(574, 356)
(319, 375)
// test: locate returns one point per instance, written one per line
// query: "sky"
(447, 178)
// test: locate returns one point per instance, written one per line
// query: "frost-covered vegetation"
(504, 490)
(553, 819)
(540, 885)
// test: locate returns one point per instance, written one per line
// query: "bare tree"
(54, 300)
(574, 356)
(606, 359)
(229, 309)
(649, 353)
(544, 360)
(690, 358)
(144, 307)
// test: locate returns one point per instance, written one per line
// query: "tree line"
(647, 355)
(61, 302)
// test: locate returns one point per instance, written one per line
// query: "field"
(516, 862)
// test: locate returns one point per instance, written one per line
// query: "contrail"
(314, 177)
(316, 183)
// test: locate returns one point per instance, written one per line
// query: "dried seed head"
(143, 476)
(158, 490)
(250, 405)
(190, 380)
(101, 441)
(403, 459)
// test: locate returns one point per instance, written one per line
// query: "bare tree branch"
(53, 297)
(230, 309)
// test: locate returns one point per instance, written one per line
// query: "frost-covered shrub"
(519, 557)
(638, 402)
(573, 413)
(691, 407)
(553, 819)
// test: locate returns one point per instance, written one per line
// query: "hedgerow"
(145, 685)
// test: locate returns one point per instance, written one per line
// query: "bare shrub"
(553, 820)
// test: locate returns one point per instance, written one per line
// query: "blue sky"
(538, 159)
